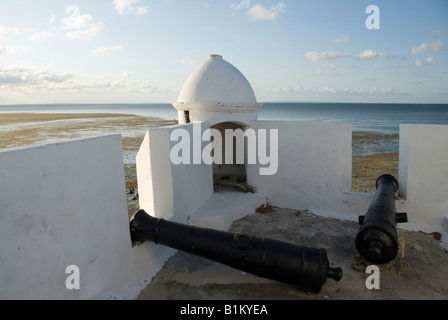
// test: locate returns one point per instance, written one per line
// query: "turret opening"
(187, 116)
(229, 170)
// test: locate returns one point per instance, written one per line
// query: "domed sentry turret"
(217, 92)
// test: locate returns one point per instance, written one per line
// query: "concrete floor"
(420, 270)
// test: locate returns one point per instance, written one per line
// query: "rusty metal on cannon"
(377, 239)
(302, 266)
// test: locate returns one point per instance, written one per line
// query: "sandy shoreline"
(22, 129)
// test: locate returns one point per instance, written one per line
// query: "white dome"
(216, 85)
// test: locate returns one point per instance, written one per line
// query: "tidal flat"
(19, 130)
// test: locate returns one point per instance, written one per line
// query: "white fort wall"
(170, 191)
(65, 204)
(423, 175)
(62, 205)
(315, 173)
(314, 169)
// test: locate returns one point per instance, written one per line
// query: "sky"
(142, 51)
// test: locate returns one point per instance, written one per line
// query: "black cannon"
(302, 266)
(377, 239)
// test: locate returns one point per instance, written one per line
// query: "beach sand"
(367, 168)
(23, 129)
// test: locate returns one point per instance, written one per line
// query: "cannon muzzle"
(377, 239)
(305, 267)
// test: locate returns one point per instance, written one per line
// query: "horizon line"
(169, 103)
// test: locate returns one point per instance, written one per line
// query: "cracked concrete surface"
(418, 272)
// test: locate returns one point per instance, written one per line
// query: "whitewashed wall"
(62, 205)
(314, 168)
(423, 173)
(167, 190)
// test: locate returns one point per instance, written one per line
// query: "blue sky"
(142, 51)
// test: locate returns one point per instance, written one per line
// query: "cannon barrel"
(377, 239)
(305, 267)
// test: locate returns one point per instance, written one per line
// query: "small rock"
(264, 209)
(418, 247)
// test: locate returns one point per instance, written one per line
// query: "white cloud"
(11, 50)
(419, 63)
(81, 21)
(44, 81)
(430, 60)
(427, 47)
(18, 77)
(374, 91)
(147, 87)
(86, 34)
(34, 80)
(323, 72)
(288, 89)
(125, 75)
(239, 6)
(141, 10)
(371, 55)
(109, 49)
(5, 32)
(41, 35)
(82, 27)
(343, 39)
(314, 56)
(385, 91)
(258, 12)
(438, 32)
(52, 18)
(443, 92)
(123, 6)
(328, 69)
(126, 6)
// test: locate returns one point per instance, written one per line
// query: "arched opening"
(229, 167)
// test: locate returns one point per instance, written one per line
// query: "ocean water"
(383, 119)
(380, 118)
